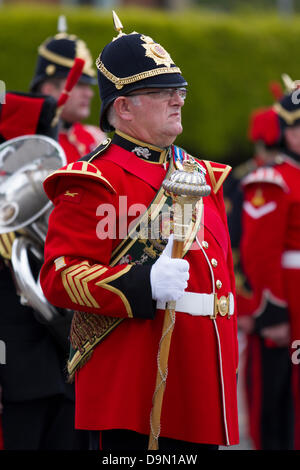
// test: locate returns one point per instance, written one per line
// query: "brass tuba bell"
(25, 162)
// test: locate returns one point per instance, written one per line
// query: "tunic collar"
(143, 150)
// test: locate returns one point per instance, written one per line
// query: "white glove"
(169, 276)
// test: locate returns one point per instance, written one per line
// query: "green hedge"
(227, 60)
(239, 5)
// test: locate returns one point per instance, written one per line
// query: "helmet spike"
(117, 23)
(288, 82)
(62, 24)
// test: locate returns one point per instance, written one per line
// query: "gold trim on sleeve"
(82, 280)
(104, 283)
(68, 283)
(75, 280)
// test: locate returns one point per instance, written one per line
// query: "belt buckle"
(221, 306)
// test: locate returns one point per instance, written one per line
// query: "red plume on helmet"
(72, 79)
(264, 123)
(264, 126)
(276, 90)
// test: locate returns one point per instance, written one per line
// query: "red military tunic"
(114, 388)
(79, 139)
(270, 245)
(270, 253)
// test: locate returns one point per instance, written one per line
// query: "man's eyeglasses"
(164, 93)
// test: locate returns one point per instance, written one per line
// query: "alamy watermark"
(2, 352)
(296, 354)
(2, 92)
(136, 222)
(296, 93)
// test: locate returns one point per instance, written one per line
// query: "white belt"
(203, 304)
(291, 259)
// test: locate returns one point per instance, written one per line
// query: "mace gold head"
(187, 182)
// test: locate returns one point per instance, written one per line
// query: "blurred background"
(230, 51)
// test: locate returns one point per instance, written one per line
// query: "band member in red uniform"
(38, 403)
(266, 366)
(270, 243)
(56, 57)
(119, 284)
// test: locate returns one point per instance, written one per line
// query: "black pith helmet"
(56, 57)
(288, 109)
(131, 62)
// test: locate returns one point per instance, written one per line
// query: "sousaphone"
(25, 162)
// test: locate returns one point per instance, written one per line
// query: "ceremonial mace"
(186, 187)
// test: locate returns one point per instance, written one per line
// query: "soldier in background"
(38, 403)
(269, 248)
(263, 134)
(269, 412)
(56, 57)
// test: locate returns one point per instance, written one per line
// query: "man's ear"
(123, 108)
